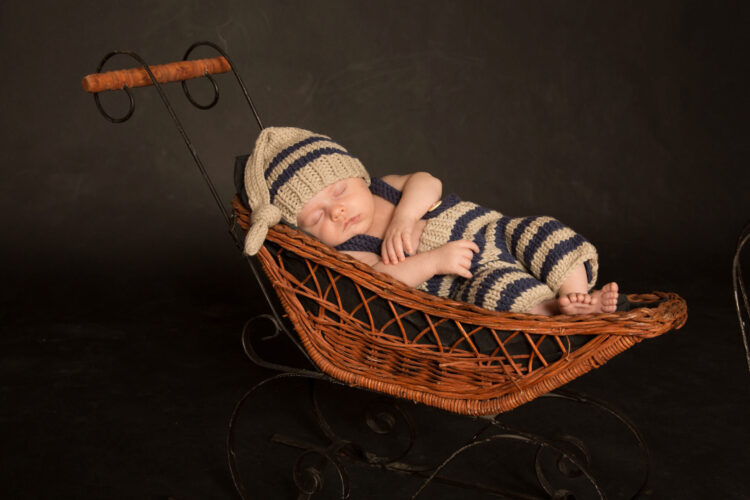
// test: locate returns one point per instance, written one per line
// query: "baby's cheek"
(323, 233)
(335, 237)
(312, 231)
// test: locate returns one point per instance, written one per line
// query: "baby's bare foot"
(608, 297)
(577, 303)
(598, 301)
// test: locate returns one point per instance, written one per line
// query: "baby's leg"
(548, 249)
(573, 296)
(500, 286)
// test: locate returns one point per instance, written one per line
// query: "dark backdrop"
(626, 121)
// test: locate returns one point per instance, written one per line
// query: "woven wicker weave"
(369, 330)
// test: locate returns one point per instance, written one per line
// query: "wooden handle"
(164, 73)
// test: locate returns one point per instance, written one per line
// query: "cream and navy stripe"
(288, 167)
(291, 160)
(301, 170)
(521, 262)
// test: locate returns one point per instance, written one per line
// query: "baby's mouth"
(351, 221)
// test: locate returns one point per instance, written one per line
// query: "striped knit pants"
(522, 261)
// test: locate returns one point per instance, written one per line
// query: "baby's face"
(338, 212)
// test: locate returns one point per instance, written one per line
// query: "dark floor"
(135, 404)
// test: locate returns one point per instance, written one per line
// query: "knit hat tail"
(264, 215)
(260, 220)
(288, 167)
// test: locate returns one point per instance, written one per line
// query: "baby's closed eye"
(313, 218)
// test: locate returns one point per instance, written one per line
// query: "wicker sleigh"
(367, 329)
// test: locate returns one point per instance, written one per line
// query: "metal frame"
(572, 456)
(740, 294)
(309, 479)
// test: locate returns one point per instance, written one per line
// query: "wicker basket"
(369, 330)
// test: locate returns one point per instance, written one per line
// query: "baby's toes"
(575, 298)
(609, 306)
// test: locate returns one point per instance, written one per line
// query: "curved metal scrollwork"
(111, 118)
(234, 71)
(740, 294)
(516, 435)
(568, 454)
(231, 455)
(233, 229)
(210, 78)
(145, 66)
(565, 467)
(279, 327)
(605, 407)
(195, 103)
(309, 480)
(382, 416)
(131, 109)
(177, 122)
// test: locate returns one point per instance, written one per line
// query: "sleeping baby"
(401, 225)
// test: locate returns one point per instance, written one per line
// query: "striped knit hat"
(287, 168)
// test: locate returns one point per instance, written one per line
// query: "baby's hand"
(455, 257)
(397, 240)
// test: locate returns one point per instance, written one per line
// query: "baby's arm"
(419, 192)
(452, 258)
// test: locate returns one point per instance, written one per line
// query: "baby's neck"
(381, 218)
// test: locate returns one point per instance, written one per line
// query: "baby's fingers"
(385, 252)
(392, 247)
(464, 272)
(473, 246)
(406, 239)
(398, 249)
(388, 245)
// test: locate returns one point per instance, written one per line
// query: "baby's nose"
(338, 213)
